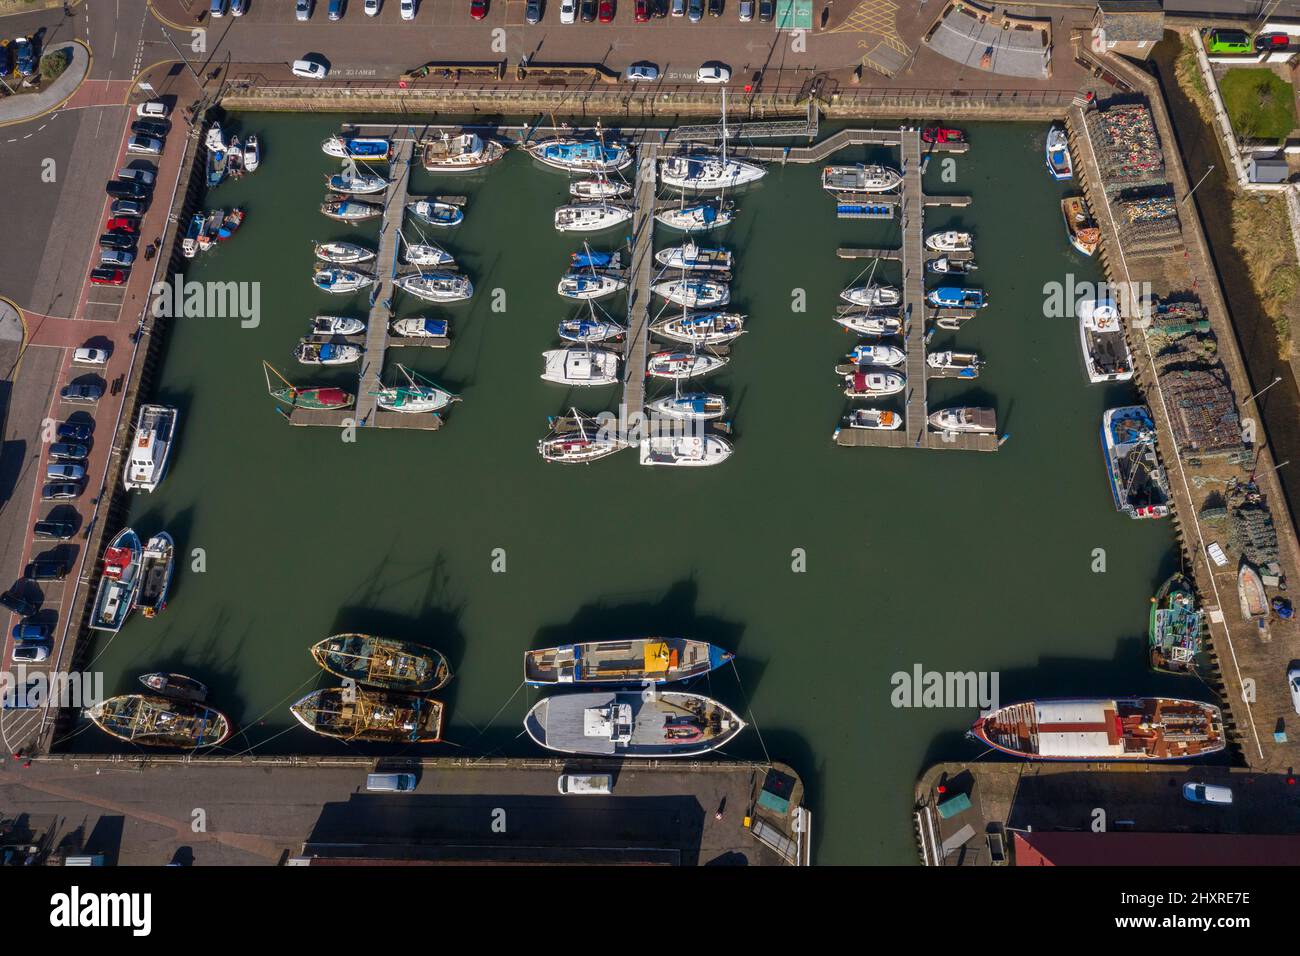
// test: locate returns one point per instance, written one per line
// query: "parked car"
(89, 356)
(68, 451)
(81, 392)
(54, 530)
(302, 9)
(1267, 42)
(145, 145)
(24, 56)
(238, 7)
(18, 605)
(746, 10)
(766, 10)
(713, 73)
(217, 8)
(6, 59)
(478, 9)
(639, 72)
(408, 9)
(120, 224)
(641, 11)
(606, 14)
(310, 69)
(136, 174)
(152, 109)
(1293, 681)
(116, 240)
(679, 8)
(27, 632)
(587, 10)
(103, 275)
(1208, 793)
(127, 207)
(154, 128)
(63, 471)
(533, 11)
(46, 569)
(116, 257)
(124, 189)
(74, 431)
(568, 11)
(695, 10)
(60, 492)
(715, 8)
(1228, 41)
(30, 653)
(336, 9)
(371, 8)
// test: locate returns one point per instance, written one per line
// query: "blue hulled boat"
(582, 156)
(956, 297)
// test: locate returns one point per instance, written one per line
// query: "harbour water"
(827, 570)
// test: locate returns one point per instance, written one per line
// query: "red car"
(478, 9)
(642, 11)
(107, 277)
(1272, 41)
(120, 224)
(606, 14)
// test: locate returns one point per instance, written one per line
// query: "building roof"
(1268, 169)
(1155, 849)
(1132, 20)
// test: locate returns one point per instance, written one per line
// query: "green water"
(953, 561)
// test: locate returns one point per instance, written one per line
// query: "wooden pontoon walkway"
(845, 138)
(641, 274)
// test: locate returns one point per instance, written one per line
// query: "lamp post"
(1276, 379)
(1198, 182)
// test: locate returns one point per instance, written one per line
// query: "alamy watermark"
(179, 299)
(20, 690)
(1061, 300)
(960, 690)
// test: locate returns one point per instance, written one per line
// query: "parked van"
(1229, 41)
(585, 783)
(390, 782)
(1211, 793)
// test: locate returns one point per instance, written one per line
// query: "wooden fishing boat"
(176, 686)
(463, 153)
(1176, 628)
(1080, 227)
(1250, 592)
(638, 660)
(370, 716)
(319, 396)
(158, 722)
(383, 662)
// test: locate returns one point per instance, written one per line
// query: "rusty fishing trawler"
(376, 716)
(383, 662)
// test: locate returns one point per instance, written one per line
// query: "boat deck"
(642, 272)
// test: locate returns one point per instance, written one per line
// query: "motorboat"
(420, 327)
(636, 661)
(632, 723)
(1106, 355)
(705, 172)
(157, 562)
(1139, 485)
(1060, 166)
(252, 153)
(860, 178)
(372, 149)
(870, 323)
(336, 325)
(946, 265)
(1081, 229)
(119, 580)
(965, 420)
(949, 241)
(693, 292)
(341, 281)
(685, 451)
(580, 367)
(326, 353)
(582, 156)
(692, 257)
(436, 213)
(877, 419)
(962, 364)
(151, 447)
(873, 383)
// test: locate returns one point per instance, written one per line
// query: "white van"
(1209, 793)
(390, 782)
(585, 783)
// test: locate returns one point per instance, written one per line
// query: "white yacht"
(590, 284)
(580, 367)
(705, 172)
(867, 323)
(693, 257)
(1106, 354)
(877, 355)
(151, 446)
(873, 383)
(967, 419)
(682, 364)
(693, 293)
(424, 254)
(685, 451)
(949, 241)
(860, 178)
(871, 296)
(437, 286)
(591, 216)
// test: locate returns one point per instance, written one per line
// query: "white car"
(88, 356)
(310, 69)
(154, 109)
(568, 11)
(638, 72)
(408, 9)
(372, 8)
(115, 257)
(713, 73)
(302, 10)
(1293, 681)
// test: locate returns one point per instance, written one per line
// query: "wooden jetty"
(642, 273)
(845, 138)
(890, 255)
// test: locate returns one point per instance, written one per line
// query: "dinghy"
(326, 353)
(871, 296)
(877, 355)
(1250, 592)
(176, 686)
(589, 285)
(343, 253)
(682, 364)
(966, 420)
(591, 217)
(580, 367)
(463, 153)
(692, 257)
(697, 406)
(700, 328)
(340, 281)
(414, 395)
(436, 286)
(582, 156)
(336, 325)
(420, 327)
(950, 241)
(946, 266)
(868, 323)
(693, 293)
(697, 217)
(351, 210)
(685, 451)
(860, 178)
(873, 383)
(435, 213)
(878, 419)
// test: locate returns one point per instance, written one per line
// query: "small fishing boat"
(956, 297)
(577, 439)
(870, 296)
(462, 153)
(1106, 356)
(889, 355)
(355, 183)
(373, 149)
(361, 715)
(860, 178)
(342, 253)
(211, 225)
(940, 135)
(599, 188)
(1123, 729)
(175, 686)
(700, 328)
(351, 210)
(118, 583)
(252, 153)
(230, 224)
(383, 662)
(1176, 628)
(685, 451)
(218, 155)
(868, 323)
(336, 325)
(416, 395)
(878, 419)
(420, 327)
(966, 364)
(156, 564)
(699, 171)
(697, 217)
(590, 285)
(693, 293)
(580, 367)
(159, 722)
(326, 353)
(682, 364)
(1250, 592)
(190, 244)
(696, 258)
(582, 156)
(340, 281)
(1080, 227)
(151, 447)
(946, 265)
(636, 661)
(1138, 484)
(591, 217)
(320, 397)
(965, 420)
(436, 213)
(691, 406)
(873, 383)
(424, 254)
(632, 724)
(1057, 152)
(949, 241)
(589, 328)
(437, 286)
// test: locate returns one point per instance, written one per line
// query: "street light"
(1276, 379)
(1198, 183)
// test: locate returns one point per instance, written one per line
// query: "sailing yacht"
(355, 183)
(417, 394)
(341, 281)
(577, 438)
(872, 295)
(693, 292)
(582, 156)
(599, 187)
(870, 323)
(437, 286)
(591, 216)
(700, 328)
(343, 253)
(697, 217)
(580, 367)
(590, 285)
(701, 171)
(426, 254)
(673, 364)
(690, 406)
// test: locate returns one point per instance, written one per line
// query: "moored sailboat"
(591, 216)
(437, 286)
(702, 406)
(577, 439)
(351, 210)
(681, 364)
(415, 395)
(336, 325)
(700, 328)
(693, 257)
(870, 296)
(383, 662)
(340, 281)
(590, 284)
(870, 323)
(697, 217)
(693, 292)
(582, 156)
(343, 253)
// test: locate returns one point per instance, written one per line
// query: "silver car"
(144, 144)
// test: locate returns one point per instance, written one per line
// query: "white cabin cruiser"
(151, 447)
(689, 451)
(580, 367)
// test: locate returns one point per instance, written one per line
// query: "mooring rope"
(750, 710)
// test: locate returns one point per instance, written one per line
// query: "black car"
(533, 12)
(46, 569)
(766, 10)
(715, 8)
(74, 431)
(62, 491)
(120, 189)
(127, 207)
(116, 240)
(588, 11)
(150, 128)
(54, 530)
(19, 606)
(65, 451)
